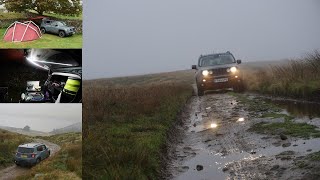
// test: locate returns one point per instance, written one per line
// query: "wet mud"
(216, 143)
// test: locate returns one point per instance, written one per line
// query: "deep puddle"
(297, 108)
(213, 163)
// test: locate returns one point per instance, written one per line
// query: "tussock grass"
(299, 78)
(290, 128)
(9, 143)
(125, 127)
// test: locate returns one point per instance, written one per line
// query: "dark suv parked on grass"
(218, 71)
(56, 27)
(31, 154)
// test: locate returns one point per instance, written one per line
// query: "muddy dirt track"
(13, 171)
(215, 143)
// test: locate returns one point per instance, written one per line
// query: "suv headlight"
(205, 72)
(233, 69)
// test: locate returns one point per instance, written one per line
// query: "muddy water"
(217, 141)
(297, 108)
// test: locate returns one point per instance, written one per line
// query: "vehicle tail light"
(33, 155)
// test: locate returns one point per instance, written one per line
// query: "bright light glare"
(233, 69)
(205, 72)
(48, 62)
(213, 125)
(241, 119)
(30, 59)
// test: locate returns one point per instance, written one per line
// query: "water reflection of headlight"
(213, 125)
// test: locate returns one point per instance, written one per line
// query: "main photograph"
(193, 90)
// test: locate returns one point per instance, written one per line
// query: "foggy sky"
(40, 117)
(137, 37)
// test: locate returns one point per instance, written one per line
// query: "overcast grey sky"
(40, 117)
(125, 37)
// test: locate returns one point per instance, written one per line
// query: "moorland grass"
(125, 128)
(299, 78)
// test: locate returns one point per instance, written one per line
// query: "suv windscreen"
(216, 59)
(59, 23)
(25, 150)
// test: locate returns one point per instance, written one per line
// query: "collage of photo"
(40, 89)
(159, 90)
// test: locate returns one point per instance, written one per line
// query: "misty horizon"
(40, 117)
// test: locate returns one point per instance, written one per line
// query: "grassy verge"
(302, 130)
(277, 115)
(66, 164)
(267, 110)
(46, 41)
(298, 78)
(8, 146)
(125, 128)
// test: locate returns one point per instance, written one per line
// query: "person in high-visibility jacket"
(70, 91)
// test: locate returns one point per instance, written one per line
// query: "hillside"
(24, 132)
(77, 127)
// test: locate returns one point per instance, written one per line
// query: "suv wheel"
(200, 91)
(62, 34)
(239, 87)
(43, 30)
(38, 161)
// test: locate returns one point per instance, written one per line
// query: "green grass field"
(46, 41)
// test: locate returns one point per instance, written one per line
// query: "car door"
(40, 152)
(55, 27)
(46, 151)
(48, 26)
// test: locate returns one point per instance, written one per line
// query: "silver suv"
(57, 27)
(218, 71)
(31, 154)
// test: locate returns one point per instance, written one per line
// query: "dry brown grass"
(298, 78)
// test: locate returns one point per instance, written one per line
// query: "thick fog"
(40, 117)
(142, 36)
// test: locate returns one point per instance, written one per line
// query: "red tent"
(19, 32)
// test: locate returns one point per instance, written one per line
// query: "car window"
(25, 150)
(44, 147)
(218, 59)
(40, 148)
(61, 23)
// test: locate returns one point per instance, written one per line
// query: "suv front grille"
(220, 71)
